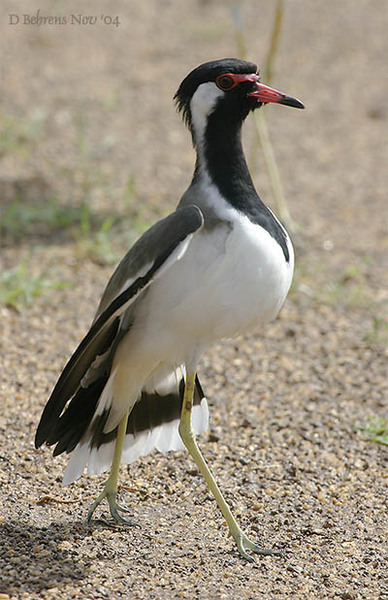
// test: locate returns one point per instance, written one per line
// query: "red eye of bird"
(225, 82)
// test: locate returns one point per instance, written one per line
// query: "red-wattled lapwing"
(218, 266)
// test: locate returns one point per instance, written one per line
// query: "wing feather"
(161, 246)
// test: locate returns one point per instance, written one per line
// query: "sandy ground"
(87, 109)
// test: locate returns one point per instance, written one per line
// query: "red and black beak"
(266, 94)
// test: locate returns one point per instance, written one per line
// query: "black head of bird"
(229, 89)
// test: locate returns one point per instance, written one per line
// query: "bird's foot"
(244, 544)
(114, 507)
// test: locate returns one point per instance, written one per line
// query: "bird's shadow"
(33, 559)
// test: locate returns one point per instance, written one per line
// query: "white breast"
(232, 278)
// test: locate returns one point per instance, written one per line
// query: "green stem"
(262, 133)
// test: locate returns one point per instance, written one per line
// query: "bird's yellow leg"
(110, 490)
(188, 437)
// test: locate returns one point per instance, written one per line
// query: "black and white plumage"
(89, 380)
(218, 266)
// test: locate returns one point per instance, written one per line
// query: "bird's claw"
(113, 507)
(244, 544)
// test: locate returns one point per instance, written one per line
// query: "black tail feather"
(152, 410)
(149, 412)
(69, 382)
(74, 422)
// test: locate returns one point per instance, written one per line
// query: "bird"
(218, 266)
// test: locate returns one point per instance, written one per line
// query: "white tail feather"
(164, 438)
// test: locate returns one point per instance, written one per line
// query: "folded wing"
(69, 412)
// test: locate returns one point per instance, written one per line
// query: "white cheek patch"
(202, 105)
